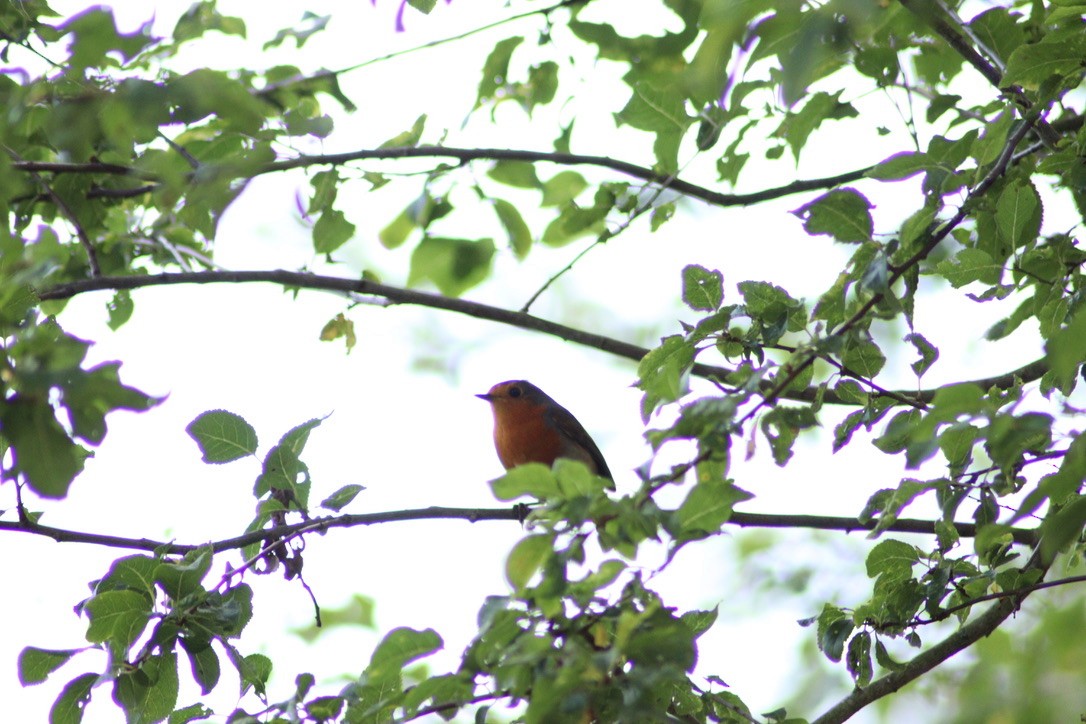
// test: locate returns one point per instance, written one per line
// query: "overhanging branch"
(1027, 373)
(466, 155)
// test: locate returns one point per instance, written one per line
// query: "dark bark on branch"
(466, 155)
(1027, 373)
(516, 513)
(929, 14)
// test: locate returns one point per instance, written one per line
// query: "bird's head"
(513, 393)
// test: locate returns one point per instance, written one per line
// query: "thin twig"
(301, 80)
(69, 213)
(601, 239)
(945, 613)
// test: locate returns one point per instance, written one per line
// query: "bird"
(530, 427)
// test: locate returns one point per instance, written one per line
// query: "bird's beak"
(486, 396)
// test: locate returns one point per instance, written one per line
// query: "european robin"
(530, 427)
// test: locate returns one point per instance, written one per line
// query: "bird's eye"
(514, 392)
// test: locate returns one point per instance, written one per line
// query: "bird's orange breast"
(523, 435)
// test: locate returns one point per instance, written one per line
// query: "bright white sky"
(404, 422)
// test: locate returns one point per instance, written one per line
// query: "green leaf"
(324, 708)
(496, 69)
(309, 26)
(863, 357)
(898, 432)
(331, 231)
(205, 92)
(532, 479)
(842, 213)
(1032, 64)
(957, 443)
(575, 479)
(782, 426)
(970, 265)
(520, 236)
(834, 628)
(149, 694)
(120, 309)
(662, 373)
(400, 647)
(797, 127)
(44, 453)
(708, 506)
(228, 614)
(192, 712)
(183, 578)
(441, 690)
(527, 558)
(409, 138)
(703, 289)
(900, 166)
(518, 174)
(700, 621)
(659, 110)
(1061, 527)
(892, 560)
(89, 396)
(204, 663)
(280, 471)
(340, 499)
(36, 664)
(662, 641)
(772, 304)
(222, 436)
(1010, 436)
(68, 708)
(95, 36)
(842, 433)
(928, 353)
(397, 230)
(561, 188)
(296, 437)
(337, 327)
(1065, 351)
(131, 573)
(452, 265)
(118, 617)
(858, 660)
(1059, 486)
(991, 143)
(255, 670)
(1018, 214)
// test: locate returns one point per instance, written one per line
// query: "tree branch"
(1024, 536)
(924, 662)
(1027, 373)
(69, 213)
(465, 155)
(929, 15)
(935, 234)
